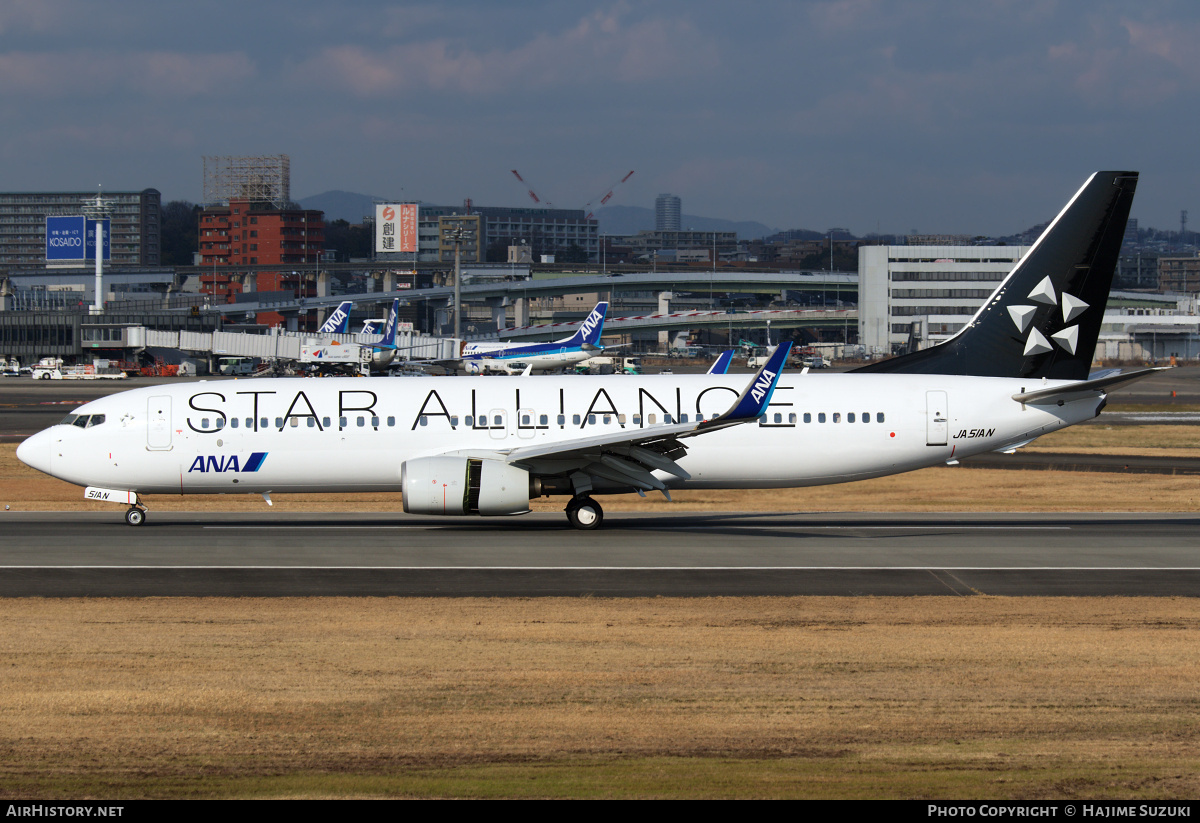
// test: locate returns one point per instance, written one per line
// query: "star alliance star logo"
(1036, 342)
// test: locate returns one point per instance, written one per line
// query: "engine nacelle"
(463, 485)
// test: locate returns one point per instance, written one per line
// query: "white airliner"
(461, 446)
(540, 357)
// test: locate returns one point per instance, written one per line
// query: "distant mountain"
(352, 207)
(342, 205)
(632, 219)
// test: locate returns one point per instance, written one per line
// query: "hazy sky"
(972, 117)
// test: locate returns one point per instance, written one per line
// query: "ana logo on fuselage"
(222, 463)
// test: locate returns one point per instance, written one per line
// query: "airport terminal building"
(937, 287)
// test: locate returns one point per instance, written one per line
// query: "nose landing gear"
(584, 513)
(136, 515)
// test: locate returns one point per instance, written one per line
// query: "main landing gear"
(584, 513)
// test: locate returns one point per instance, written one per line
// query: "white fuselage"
(347, 434)
(540, 356)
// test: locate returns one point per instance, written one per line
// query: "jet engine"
(463, 485)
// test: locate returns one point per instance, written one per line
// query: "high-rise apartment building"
(667, 209)
(237, 240)
(136, 225)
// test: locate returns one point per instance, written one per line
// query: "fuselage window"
(878, 417)
(263, 423)
(392, 421)
(607, 419)
(69, 420)
(525, 420)
(562, 420)
(204, 423)
(469, 420)
(453, 420)
(325, 422)
(792, 419)
(279, 422)
(683, 418)
(343, 422)
(808, 417)
(96, 420)
(652, 419)
(837, 417)
(820, 417)
(591, 419)
(362, 421)
(233, 422)
(850, 417)
(778, 418)
(295, 421)
(374, 422)
(219, 423)
(424, 420)
(866, 417)
(667, 419)
(497, 422)
(543, 420)
(312, 422)
(79, 420)
(575, 420)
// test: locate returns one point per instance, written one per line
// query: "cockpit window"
(83, 421)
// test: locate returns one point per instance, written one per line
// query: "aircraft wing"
(630, 456)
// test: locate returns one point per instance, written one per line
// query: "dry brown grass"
(978, 697)
(724, 697)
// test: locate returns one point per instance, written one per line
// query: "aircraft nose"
(35, 452)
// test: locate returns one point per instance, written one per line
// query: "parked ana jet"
(384, 350)
(338, 322)
(541, 357)
(457, 446)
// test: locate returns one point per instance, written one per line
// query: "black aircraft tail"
(1044, 319)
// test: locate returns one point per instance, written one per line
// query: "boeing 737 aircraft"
(541, 357)
(460, 446)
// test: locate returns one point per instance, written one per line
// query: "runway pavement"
(691, 554)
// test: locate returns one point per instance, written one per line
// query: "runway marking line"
(646, 568)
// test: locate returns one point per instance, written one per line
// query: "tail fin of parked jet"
(338, 322)
(590, 329)
(721, 364)
(388, 341)
(1044, 319)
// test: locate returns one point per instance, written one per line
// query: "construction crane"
(529, 190)
(607, 196)
(603, 199)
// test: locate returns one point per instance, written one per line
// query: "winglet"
(754, 399)
(721, 364)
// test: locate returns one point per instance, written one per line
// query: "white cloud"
(164, 74)
(601, 46)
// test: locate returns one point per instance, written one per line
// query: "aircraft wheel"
(135, 516)
(584, 513)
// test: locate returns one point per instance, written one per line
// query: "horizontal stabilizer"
(1082, 389)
